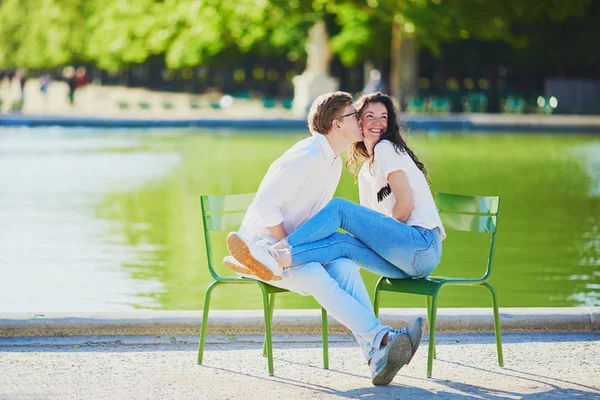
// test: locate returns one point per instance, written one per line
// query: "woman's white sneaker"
(241, 270)
(255, 256)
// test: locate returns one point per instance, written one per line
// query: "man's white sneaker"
(401, 347)
(386, 362)
(255, 256)
(414, 331)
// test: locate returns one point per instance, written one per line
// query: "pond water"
(109, 220)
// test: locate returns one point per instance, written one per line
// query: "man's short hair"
(325, 109)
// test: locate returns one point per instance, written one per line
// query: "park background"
(436, 56)
(98, 219)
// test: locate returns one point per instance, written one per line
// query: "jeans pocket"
(426, 260)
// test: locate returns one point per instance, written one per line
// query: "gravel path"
(540, 365)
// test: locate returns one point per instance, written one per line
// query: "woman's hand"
(402, 192)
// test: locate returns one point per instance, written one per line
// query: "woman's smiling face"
(374, 119)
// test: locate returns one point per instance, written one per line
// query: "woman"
(395, 232)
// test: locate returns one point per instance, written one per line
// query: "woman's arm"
(404, 200)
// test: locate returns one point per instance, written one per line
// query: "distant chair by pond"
(416, 104)
(287, 103)
(243, 95)
(545, 105)
(475, 102)
(269, 102)
(143, 105)
(123, 105)
(513, 104)
(439, 105)
(167, 105)
(194, 104)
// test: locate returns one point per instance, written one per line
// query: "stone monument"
(315, 80)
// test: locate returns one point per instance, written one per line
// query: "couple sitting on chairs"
(289, 236)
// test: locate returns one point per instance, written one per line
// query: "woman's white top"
(376, 194)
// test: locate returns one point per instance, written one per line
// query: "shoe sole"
(415, 348)
(243, 270)
(398, 356)
(240, 251)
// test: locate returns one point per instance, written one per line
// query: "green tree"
(185, 32)
(398, 27)
(114, 34)
(41, 34)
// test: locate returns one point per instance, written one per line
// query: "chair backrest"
(222, 213)
(470, 214)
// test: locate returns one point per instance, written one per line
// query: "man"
(297, 185)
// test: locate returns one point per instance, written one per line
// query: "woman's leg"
(344, 245)
(410, 249)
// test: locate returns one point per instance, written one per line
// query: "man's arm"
(278, 231)
(282, 183)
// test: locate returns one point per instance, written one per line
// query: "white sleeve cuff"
(272, 218)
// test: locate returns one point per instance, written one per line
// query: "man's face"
(350, 125)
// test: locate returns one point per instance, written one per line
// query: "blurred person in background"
(69, 77)
(22, 80)
(44, 83)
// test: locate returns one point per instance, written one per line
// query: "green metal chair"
(415, 104)
(475, 102)
(461, 213)
(225, 213)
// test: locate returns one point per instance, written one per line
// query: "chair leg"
(432, 318)
(376, 298)
(325, 333)
(205, 320)
(429, 323)
(496, 323)
(271, 308)
(268, 341)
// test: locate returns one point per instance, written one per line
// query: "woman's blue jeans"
(376, 242)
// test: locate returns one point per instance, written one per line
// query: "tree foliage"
(116, 33)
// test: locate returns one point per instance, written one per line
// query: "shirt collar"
(325, 146)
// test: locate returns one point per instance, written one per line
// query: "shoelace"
(267, 244)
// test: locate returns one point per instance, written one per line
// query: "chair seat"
(425, 286)
(270, 288)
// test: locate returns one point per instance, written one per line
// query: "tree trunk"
(404, 63)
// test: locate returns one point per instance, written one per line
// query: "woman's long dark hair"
(358, 151)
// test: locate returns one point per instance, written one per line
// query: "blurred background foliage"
(114, 34)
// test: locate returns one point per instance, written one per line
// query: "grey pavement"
(537, 365)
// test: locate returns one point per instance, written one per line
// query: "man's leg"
(347, 274)
(339, 288)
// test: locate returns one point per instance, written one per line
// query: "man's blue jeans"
(376, 242)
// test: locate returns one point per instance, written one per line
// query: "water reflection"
(105, 220)
(55, 254)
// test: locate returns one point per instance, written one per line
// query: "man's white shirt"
(297, 185)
